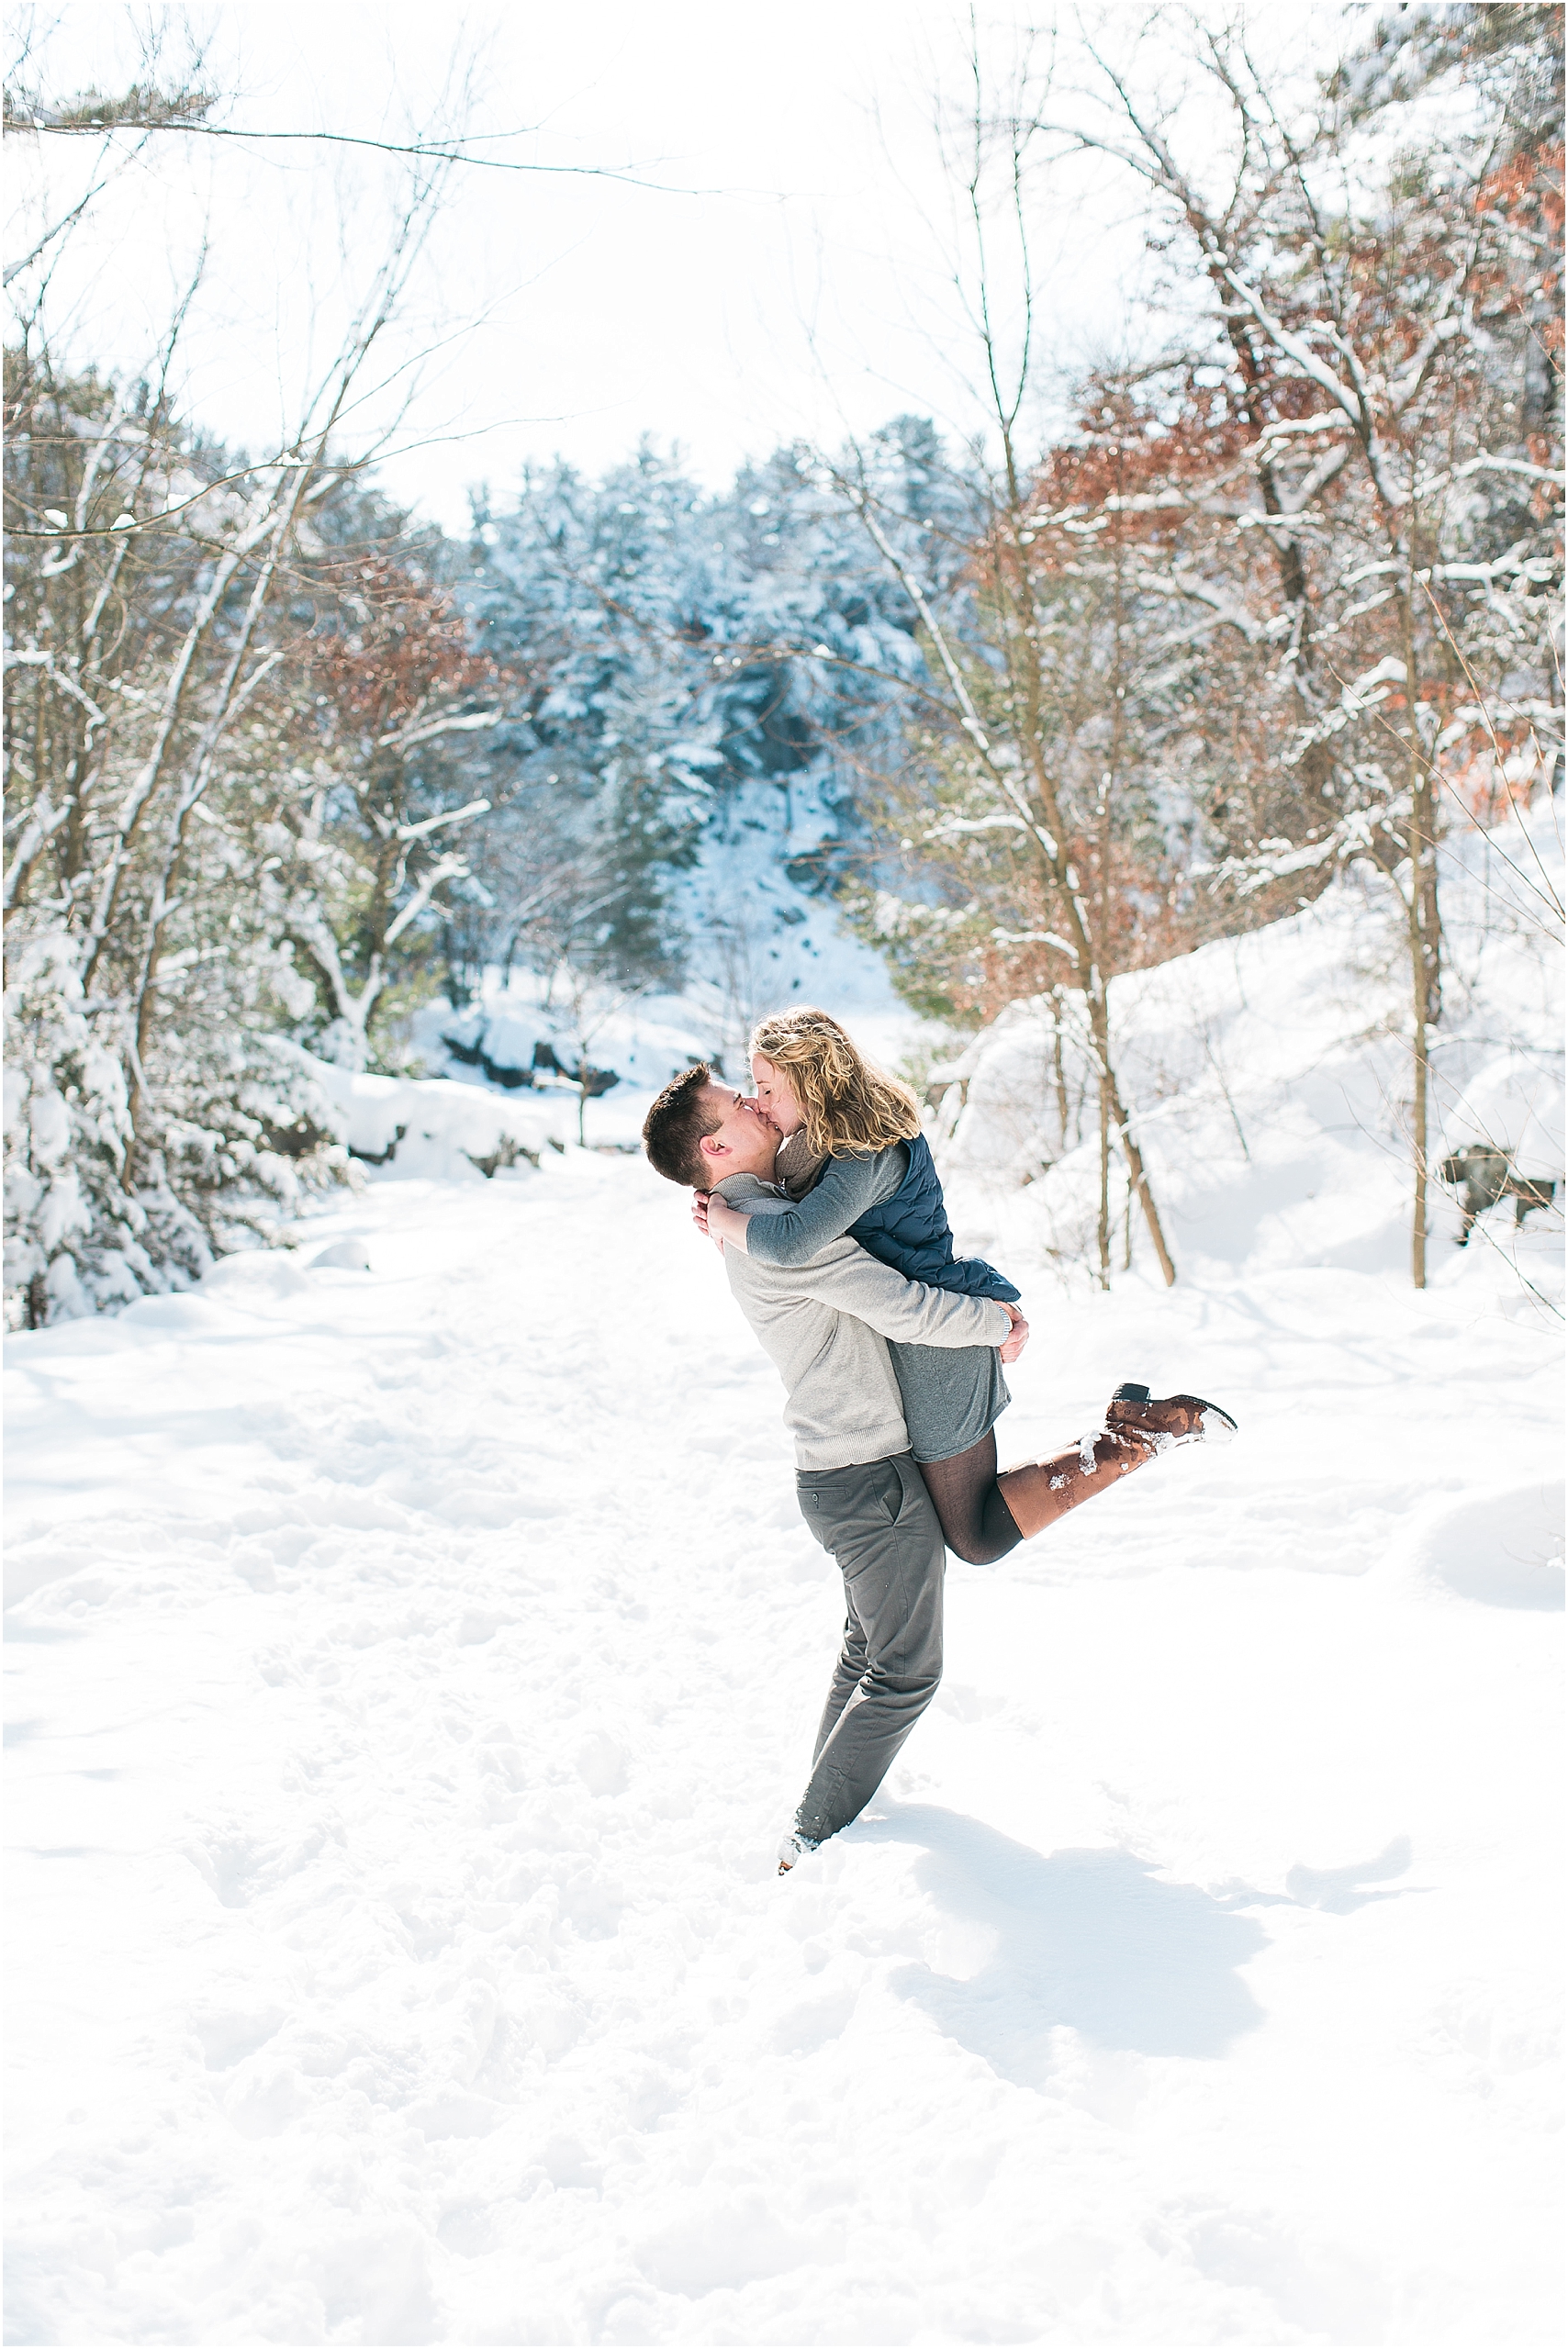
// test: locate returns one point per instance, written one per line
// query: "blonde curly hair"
(850, 1110)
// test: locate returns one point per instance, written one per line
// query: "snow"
(414, 1658)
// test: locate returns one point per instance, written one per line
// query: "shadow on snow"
(1093, 1939)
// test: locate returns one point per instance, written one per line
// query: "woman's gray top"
(840, 1196)
(952, 1395)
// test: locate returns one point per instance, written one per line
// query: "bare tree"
(1010, 746)
(154, 668)
(1360, 412)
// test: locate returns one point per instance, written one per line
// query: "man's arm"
(845, 1277)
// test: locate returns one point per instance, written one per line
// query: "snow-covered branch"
(957, 827)
(33, 659)
(444, 869)
(1487, 463)
(1186, 583)
(38, 828)
(427, 730)
(423, 830)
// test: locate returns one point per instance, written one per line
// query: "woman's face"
(775, 1095)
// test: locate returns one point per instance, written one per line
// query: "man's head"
(698, 1131)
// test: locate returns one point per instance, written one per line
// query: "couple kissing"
(822, 1193)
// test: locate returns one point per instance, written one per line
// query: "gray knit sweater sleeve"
(794, 1234)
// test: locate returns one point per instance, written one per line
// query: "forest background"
(1141, 648)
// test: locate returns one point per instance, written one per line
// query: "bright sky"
(796, 280)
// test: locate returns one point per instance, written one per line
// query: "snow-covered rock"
(430, 1128)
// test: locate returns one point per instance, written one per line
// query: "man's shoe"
(1165, 1425)
(794, 1847)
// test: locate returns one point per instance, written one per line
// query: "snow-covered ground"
(414, 1667)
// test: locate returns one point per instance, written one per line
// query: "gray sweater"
(824, 1325)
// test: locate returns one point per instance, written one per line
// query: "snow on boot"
(1039, 1492)
(1136, 1431)
(794, 1847)
(1178, 1419)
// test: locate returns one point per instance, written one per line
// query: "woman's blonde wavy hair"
(850, 1110)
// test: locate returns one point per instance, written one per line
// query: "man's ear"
(710, 1146)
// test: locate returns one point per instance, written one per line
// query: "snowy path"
(412, 1672)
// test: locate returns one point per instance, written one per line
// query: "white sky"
(800, 288)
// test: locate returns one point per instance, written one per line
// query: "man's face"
(742, 1143)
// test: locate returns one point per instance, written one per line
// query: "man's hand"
(1014, 1346)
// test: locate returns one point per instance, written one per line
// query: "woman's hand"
(1013, 1347)
(725, 1224)
(706, 1205)
(718, 1220)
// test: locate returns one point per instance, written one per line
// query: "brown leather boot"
(1178, 1419)
(1137, 1429)
(1039, 1492)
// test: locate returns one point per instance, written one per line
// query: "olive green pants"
(877, 1523)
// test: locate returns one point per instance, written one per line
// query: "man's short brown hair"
(675, 1125)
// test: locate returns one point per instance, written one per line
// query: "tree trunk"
(1049, 841)
(1424, 930)
(1419, 1113)
(1137, 1174)
(1103, 1228)
(1426, 974)
(1060, 1069)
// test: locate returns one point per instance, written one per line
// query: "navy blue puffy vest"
(911, 1232)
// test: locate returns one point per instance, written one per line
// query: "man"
(825, 1324)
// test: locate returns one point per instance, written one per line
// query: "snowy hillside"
(757, 939)
(413, 1667)
(1272, 1075)
(504, 1071)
